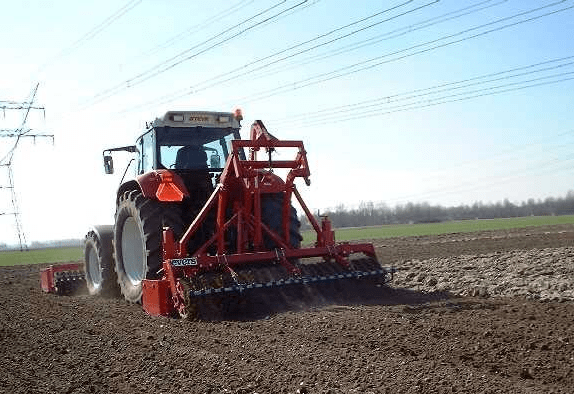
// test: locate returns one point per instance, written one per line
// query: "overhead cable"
(235, 74)
(93, 32)
(403, 53)
(190, 53)
(382, 101)
(463, 96)
(195, 28)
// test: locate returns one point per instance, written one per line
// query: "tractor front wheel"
(137, 239)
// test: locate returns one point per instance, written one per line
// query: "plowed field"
(487, 312)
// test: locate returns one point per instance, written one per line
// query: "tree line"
(372, 214)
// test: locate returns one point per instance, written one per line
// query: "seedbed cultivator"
(252, 255)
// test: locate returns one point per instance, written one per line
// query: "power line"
(34, 136)
(323, 35)
(552, 165)
(184, 56)
(449, 16)
(17, 107)
(326, 115)
(402, 54)
(241, 71)
(7, 161)
(342, 71)
(449, 98)
(16, 214)
(538, 169)
(200, 26)
(394, 97)
(10, 102)
(503, 158)
(20, 107)
(195, 28)
(93, 32)
(386, 36)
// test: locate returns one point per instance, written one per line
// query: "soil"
(487, 312)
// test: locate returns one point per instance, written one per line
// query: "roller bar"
(240, 288)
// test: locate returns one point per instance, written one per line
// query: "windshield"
(194, 151)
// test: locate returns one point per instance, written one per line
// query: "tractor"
(205, 218)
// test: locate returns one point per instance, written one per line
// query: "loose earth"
(487, 312)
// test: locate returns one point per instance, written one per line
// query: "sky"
(448, 102)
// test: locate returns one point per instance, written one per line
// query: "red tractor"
(206, 218)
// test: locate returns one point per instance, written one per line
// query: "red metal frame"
(242, 183)
(47, 275)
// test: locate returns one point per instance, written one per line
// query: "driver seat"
(191, 157)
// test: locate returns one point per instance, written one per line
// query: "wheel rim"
(94, 268)
(132, 251)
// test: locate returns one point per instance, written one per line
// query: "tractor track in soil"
(445, 325)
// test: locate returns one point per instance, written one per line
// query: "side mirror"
(108, 164)
(214, 161)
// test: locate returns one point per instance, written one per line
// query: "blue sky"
(447, 102)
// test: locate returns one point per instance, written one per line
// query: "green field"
(55, 255)
(46, 255)
(463, 226)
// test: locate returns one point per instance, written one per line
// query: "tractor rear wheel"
(99, 272)
(271, 215)
(137, 239)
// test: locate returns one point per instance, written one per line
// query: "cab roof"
(198, 118)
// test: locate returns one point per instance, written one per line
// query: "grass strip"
(44, 255)
(66, 254)
(461, 226)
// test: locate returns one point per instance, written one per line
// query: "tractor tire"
(271, 206)
(138, 238)
(100, 274)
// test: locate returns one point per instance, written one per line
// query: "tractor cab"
(184, 142)
(187, 141)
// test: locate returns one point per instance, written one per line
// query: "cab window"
(147, 152)
(211, 155)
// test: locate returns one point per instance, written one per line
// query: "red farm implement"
(62, 279)
(237, 203)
